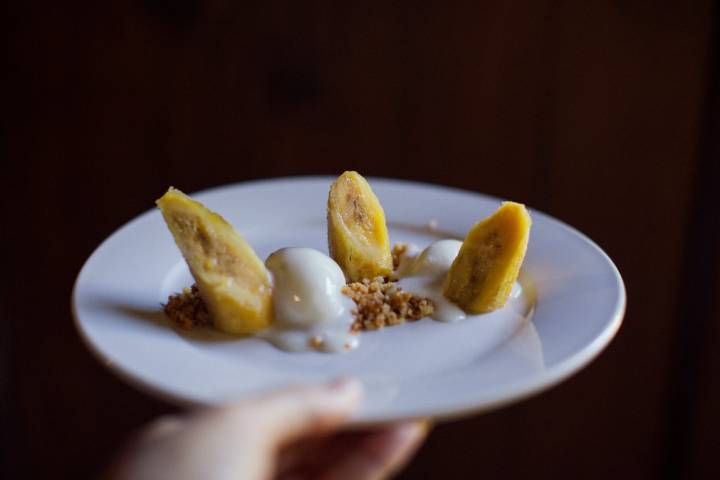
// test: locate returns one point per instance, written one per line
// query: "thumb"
(294, 413)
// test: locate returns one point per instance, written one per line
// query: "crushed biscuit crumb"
(381, 303)
(316, 341)
(398, 252)
(187, 309)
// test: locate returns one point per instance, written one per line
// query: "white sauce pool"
(311, 313)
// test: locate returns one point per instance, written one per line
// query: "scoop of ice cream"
(306, 289)
(435, 260)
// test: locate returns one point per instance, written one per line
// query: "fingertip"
(426, 424)
(306, 411)
(402, 443)
(404, 437)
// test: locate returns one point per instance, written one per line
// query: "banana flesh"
(357, 233)
(232, 280)
(482, 275)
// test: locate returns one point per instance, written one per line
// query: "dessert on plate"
(302, 299)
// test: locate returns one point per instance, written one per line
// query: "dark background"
(602, 113)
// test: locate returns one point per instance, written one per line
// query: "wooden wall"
(591, 111)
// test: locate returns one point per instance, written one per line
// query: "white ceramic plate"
(571, 306)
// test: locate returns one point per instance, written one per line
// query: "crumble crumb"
(316, 341)
(381, 303)
(187, 309)
(398, 252)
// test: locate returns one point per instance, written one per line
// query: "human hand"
(291, 434)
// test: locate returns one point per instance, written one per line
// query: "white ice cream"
(435, 260)
(310, 311)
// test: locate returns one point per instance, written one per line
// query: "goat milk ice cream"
(310, 310)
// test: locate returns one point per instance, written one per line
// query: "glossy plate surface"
(571, 305)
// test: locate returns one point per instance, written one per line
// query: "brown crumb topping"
(398, 252)
(381, 303)
(187, 309)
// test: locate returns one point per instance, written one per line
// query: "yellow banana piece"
(232, 280)
(482, 275)
(357, 234)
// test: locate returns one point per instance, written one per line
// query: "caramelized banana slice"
(357, 234)
(232, 280)
(483, 273)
